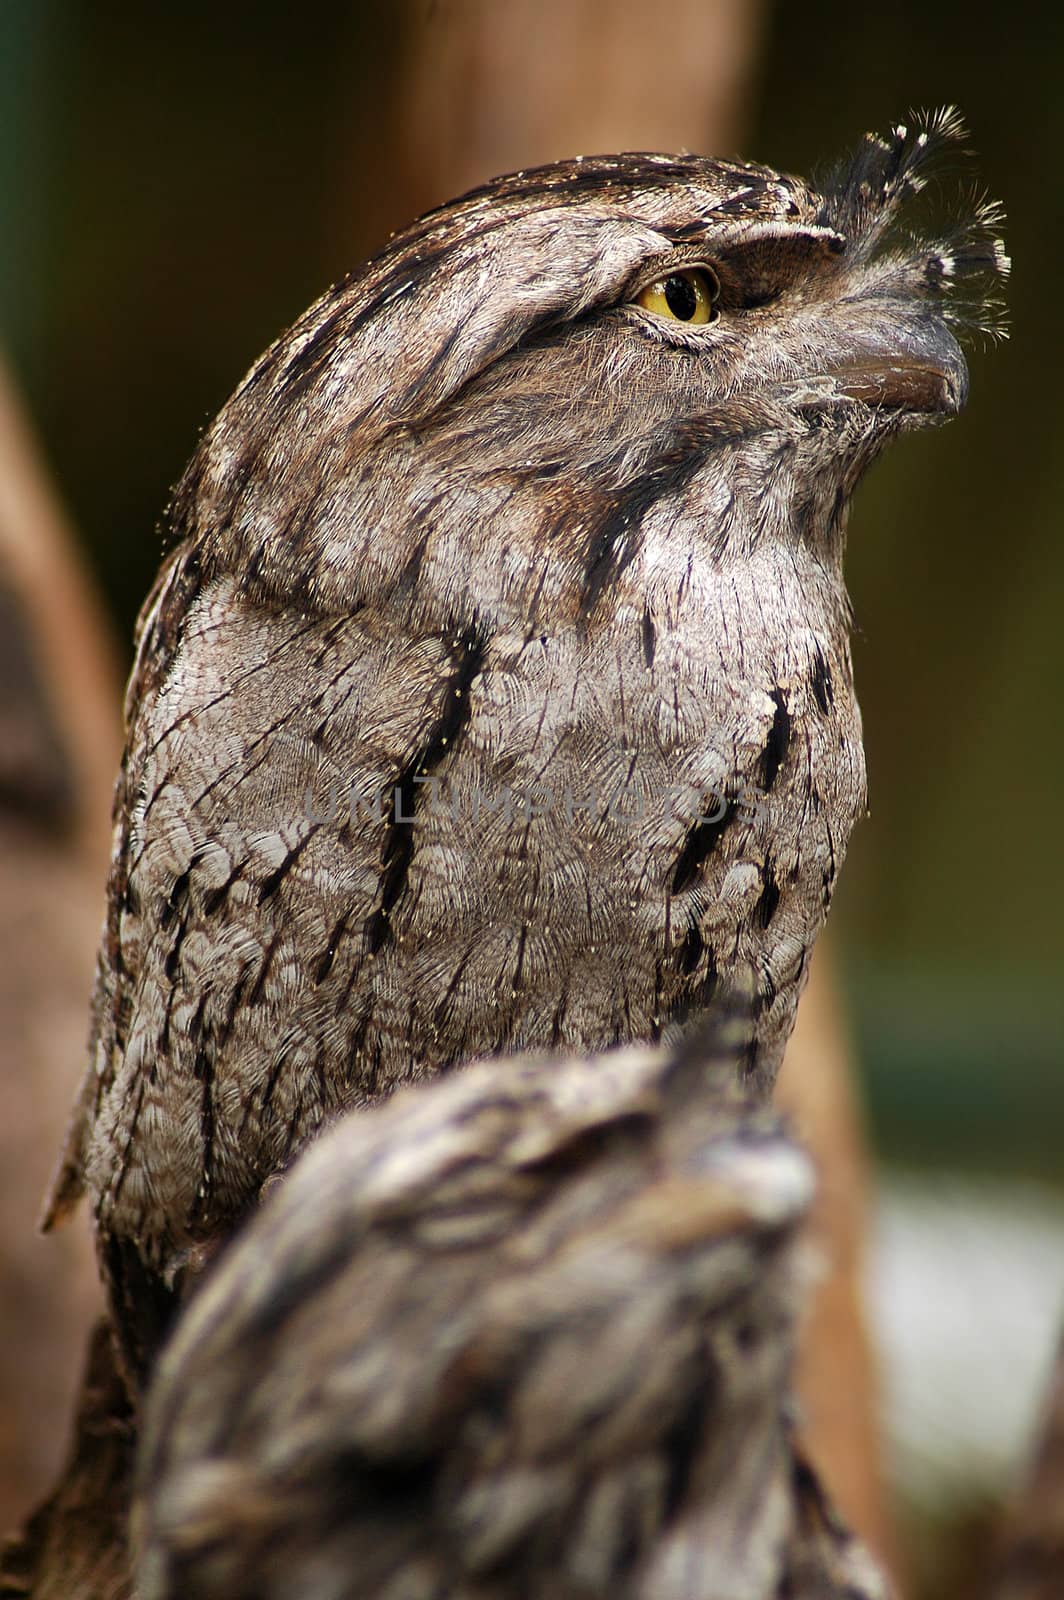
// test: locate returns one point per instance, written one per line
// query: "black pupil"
(680, 297)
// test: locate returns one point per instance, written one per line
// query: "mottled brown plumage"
(497, 694)
(516, 1334)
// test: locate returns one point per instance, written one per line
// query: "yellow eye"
(685, 296)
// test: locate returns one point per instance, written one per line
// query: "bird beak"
(926, 376)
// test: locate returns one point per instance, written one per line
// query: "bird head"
(528, 379)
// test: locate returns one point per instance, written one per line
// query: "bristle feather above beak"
(966, 264)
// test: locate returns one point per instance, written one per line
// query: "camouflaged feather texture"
(523, 1334)
(483, 543)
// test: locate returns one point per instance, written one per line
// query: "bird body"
(497, 694)
(524, 1333)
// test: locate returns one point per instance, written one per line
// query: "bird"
(522, 1333)
(496, 693)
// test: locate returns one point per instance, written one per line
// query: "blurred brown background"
(176, 184)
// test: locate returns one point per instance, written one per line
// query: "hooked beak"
(923, 372)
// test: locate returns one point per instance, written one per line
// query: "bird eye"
(685, 296)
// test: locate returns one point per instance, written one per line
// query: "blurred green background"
(177, 183)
